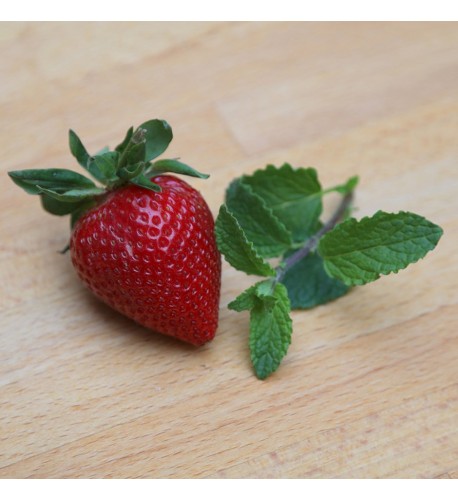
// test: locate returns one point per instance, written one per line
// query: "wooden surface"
(369, 387)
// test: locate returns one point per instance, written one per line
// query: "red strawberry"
(144, 243)
(153, 257)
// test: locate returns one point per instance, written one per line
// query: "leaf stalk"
(312, 242)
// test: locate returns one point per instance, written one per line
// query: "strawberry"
(144, 242)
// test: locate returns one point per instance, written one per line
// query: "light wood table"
(369, 387)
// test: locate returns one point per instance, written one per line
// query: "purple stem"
(312, 242)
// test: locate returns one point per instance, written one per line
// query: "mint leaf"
(234, 245)
(56, 179)
(261, 226)
(245, 301)
(346, 188)
(270, 329)
(358, 252)
(309, 285)
(294, 195)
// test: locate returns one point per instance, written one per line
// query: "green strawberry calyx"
(133, 161)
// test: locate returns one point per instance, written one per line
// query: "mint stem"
(312, 242)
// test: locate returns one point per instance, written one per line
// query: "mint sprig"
(270, 324)
(275, 213)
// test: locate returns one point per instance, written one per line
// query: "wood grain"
(369, 387)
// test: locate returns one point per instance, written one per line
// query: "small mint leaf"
(294, 196)
(270, 329)
(234, 245)
(56, 179)
(346, 188)
(261, 226)
(358, 252)
(158, 135)
(176, 167)
(245, 301)
(309, 285)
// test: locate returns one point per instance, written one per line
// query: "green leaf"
(158, 136)
(344, 189)
(358, 252)
(309, 285)
(121, 147)
(130, 171)
(73, 195)
(78, 213)
(134, 154)
(294, 195)
(176, 167)
(103, 166)
(102, 151)
(234, 245)
(144, 182)
(267, 233)
(245, 301)
(57, 207)
(270, 329)
(56, 179)
(78, 150)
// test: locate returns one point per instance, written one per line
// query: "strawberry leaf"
(144, 182)
(134, 154)
(176, 167)
(55, 179)
(236, 248)
(78, 150)
(103, 166)
(79, 212)
(57, 207)
(73, 195)
(121, 147)
(130, 171)
(158, 135)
